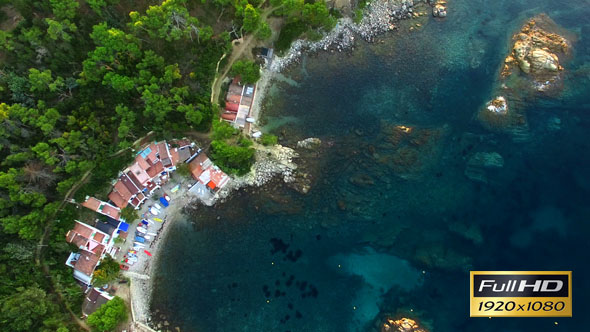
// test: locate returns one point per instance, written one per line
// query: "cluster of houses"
(238, 103)
(150, 170)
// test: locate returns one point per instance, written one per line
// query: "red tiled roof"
(232, 107)
(198, 165)
(96, 248)
(91, 203)
(142, 162)
(76, 239)
(155, 169)
(122, 190)
(218, 177)
(174, 155)
(83, 229)
(211, 185)
(86, 263)
(119, 201)
(229, 116)
(98, 237)
(129, 184)
(110, 211)
(151, 157)
(135, 202)
(141, 196)
(135, 181)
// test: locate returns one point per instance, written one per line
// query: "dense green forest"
(80, 82)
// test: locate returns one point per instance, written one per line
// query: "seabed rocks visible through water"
(405, 190)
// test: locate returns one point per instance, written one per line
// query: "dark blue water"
(392, 224)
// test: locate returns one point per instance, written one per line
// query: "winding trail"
(239, 47)
(47, 232)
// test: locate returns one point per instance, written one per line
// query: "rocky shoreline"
(380, 16)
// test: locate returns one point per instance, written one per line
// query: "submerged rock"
(309, 143)
(439, 8)
(480, 163)
(536, 52)
(401, 325)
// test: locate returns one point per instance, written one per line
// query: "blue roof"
(124, 226)
(164, 201)
(145, 152)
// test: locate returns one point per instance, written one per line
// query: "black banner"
(520, 285)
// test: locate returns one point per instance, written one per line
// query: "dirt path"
(245, 44)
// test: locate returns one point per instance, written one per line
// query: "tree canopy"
(109, 315)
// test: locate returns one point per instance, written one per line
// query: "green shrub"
(268, 139)
(248, 70)
(232, 159)
(109, 315)
(289, 33)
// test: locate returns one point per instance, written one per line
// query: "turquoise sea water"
(395, 228)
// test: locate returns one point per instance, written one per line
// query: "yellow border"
(537, 314)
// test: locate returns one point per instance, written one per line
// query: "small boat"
(154, 211)
(147, 252)
(158, 219)
(250, 120)
(151, 221)
(166, 197)
(145, 222)
(158, 206)
(124, 267)
(164, 202)
(153, 234)
(139, 239)
(141, 230)
(147, 237)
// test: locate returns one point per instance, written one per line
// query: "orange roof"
(211, 185)
(110, 211)
(198, 165)
(116, 198)
(174, 155)
(142, 162)
(98, 237)
(155, 169)
(92, 203)
(122, 190)
(232, 107)
(83, 229)
(229, 116)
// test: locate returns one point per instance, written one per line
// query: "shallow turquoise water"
(380, 235)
